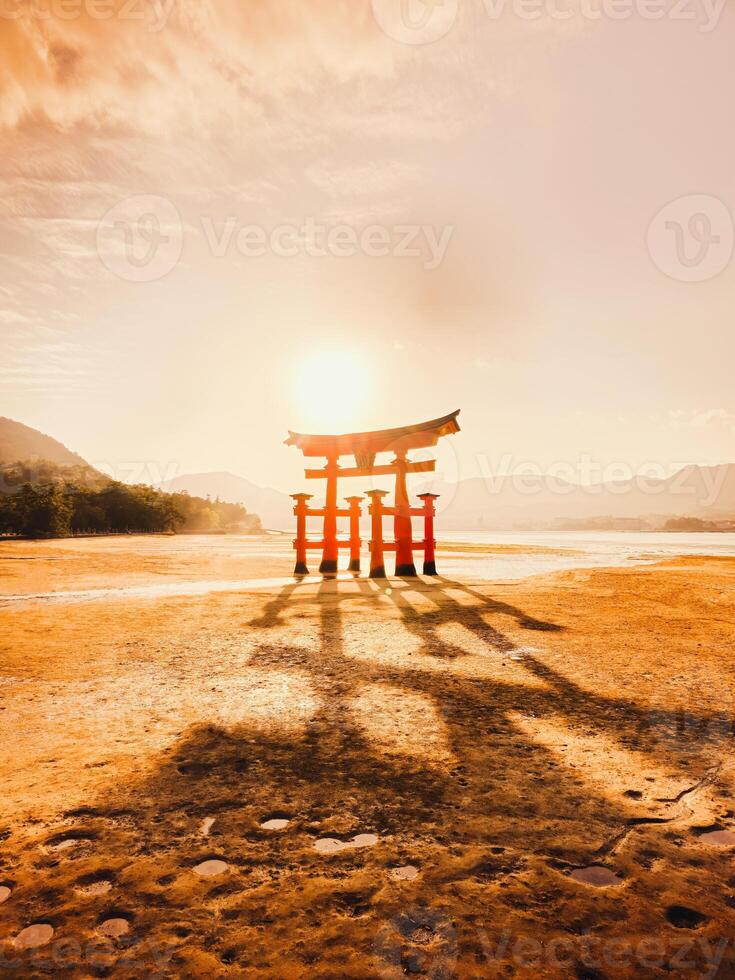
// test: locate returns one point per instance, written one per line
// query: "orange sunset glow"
(367, 489)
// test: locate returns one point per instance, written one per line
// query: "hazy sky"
(520, 160)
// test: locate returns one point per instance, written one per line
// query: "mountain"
(29, 456)
(274, 508)
(495, 503)
(515, 501)
(48, 491)
(541, 501)
(20, 442)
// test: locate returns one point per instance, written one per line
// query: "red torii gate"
(365, 446)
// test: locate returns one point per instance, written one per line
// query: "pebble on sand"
(329, 845)
(407, 873)
(96, 888)
(277, 823)
(33, 936)
(114, 928)
(722, 838)
(64, 845)
(4, 893)
(597, 876)
(207, 869)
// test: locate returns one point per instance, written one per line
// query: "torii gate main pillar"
(403, 531)
(330, 553)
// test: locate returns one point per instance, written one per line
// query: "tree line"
(55, 510)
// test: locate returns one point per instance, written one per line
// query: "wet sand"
(360, 779)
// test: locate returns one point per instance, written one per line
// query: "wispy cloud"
(701, 418)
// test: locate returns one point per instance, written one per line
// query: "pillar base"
(301, 568)
(378, 572)
(354, 565)
(328, 566)
(430, 568)
(406, 571)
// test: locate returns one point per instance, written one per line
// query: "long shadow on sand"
(490, 805)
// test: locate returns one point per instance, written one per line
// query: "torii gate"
(364, 446)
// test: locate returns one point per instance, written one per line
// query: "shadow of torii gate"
(364, 447)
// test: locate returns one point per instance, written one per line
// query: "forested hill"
(47, 491)
(57, 510)
(21, 442)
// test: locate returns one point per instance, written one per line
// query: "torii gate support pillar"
(300, 510)
(377, 561)
(354, 503)
(429, 542)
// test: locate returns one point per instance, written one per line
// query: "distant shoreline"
(141, 534)
(449, 544)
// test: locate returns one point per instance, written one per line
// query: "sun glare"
(332, 388)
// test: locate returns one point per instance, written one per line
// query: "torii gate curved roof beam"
(418, 436)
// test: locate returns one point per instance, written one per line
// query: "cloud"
(43, 362)
(155, 60)
(712, 416)
(701, 418)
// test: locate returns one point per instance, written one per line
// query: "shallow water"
(597, 876)
(544, 552)
(722, 838)
(36, 935)
(207, 869)
(573, 549)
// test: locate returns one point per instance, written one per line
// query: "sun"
(332, 390)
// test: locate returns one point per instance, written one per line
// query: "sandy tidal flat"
(359, 779)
